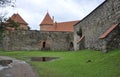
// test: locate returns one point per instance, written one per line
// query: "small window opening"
(79, 33)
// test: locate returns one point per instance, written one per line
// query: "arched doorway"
(71, 46)
(44, 45)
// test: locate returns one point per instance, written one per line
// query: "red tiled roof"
(62, 26)
(105, 34)
(47, 20)
(18, 18)
(48, 25)
(66, 26)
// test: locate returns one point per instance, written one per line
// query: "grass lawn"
(73, 64)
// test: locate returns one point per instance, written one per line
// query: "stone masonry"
(100, 30)
(37, 40)
(96, 23)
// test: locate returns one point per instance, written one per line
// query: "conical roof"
(18, 18)
(47, 20)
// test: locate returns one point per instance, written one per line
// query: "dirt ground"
(16, 69)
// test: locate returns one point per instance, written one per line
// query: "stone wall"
(96, 23)
(36, 40)
(113, 40)
(0, 46)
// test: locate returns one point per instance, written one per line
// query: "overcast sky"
(33, 11)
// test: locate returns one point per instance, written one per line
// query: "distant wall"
(36, 40)
(96, 23)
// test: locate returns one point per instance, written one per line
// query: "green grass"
(73, 64)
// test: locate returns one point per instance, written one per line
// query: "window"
(79, 33)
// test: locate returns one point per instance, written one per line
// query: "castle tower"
(46, 23)
(17, 18)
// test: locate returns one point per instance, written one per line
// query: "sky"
(33, 11)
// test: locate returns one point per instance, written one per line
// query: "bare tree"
(5, 3)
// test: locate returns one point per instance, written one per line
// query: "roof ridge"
(69, 21)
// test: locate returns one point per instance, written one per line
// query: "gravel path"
(17, 68)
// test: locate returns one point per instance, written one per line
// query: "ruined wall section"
(34, 40)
